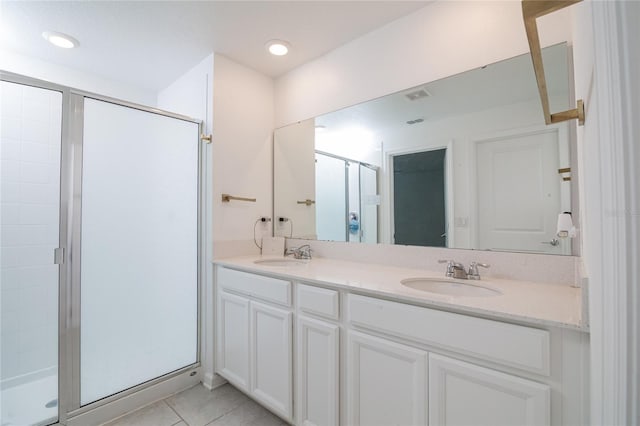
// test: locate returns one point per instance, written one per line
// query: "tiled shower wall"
(30, 135)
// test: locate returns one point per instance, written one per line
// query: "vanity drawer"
(513, 345)
(258, 286)
(318, 301)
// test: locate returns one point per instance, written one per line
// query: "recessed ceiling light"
(59, 39)
(278, 47)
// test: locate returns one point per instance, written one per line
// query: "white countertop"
(534, 303)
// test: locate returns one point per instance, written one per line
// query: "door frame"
(562, 131)
(387, 198)
(612, 212)
(376, 169)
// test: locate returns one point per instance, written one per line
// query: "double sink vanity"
(329, 342)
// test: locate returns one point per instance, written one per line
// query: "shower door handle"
(58, 256)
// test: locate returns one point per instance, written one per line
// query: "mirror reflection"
(462, 162)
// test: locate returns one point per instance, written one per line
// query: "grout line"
(175, 411)
(223, 415)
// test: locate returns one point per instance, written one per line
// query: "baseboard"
(212, 381)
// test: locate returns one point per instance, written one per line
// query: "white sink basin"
(450, 287)
(280, 262)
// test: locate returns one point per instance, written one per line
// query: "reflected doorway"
(419, 198)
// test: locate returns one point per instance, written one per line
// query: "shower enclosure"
(100, 250)
(346, 199)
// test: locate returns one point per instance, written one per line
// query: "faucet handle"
(451, 266)
(473, 269)
(452, 263)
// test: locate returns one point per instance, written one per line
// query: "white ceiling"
(151, 43)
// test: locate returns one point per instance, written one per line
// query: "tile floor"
(198, 406)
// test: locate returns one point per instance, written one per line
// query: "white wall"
(442, 39)
(192, 95)
(294, 180)
(243, 122)
(54, 73)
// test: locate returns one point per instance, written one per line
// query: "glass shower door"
(139, 248)
(30, 146)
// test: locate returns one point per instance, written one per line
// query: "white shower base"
(25, 404)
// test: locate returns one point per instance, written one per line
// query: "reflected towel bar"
(307, 202)
(226, 198)
(531, 10)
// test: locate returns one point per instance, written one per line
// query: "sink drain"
(52, 403)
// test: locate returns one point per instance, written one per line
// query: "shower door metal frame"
(75, 142)
(69, 241)
(63, 224)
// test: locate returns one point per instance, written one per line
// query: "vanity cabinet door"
(233, 339)
(271, 353)
(317, 359)
(462, 394)
(386, 382)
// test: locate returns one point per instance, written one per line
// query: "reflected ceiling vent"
(417, 94)
(416, 121)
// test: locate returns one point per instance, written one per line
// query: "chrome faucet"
(302, 252)
(457, 270)
(454, 269)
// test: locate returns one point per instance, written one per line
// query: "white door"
(233, 339)
(318, 367)
(369, 202)
(518, 192)
(462, 394)
(386, 382)
(271, 349)
(331, 198)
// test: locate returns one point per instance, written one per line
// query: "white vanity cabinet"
(386, 382)
(233, 339)
(317, 356)
(361, 360)
(462, 394)
(254, 337)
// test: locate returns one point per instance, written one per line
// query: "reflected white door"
(369, 202)
(139, 248)
(331, 198)
(518, 192)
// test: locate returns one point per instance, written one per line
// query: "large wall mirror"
(462, 162)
